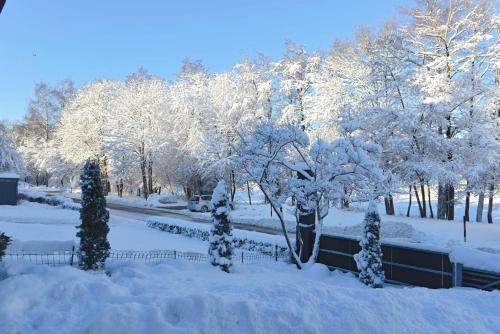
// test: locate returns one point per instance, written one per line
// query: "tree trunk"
(490, 205)
(144, 174)
(104, 175)
(450, 202)
(467, 207)
(233, 185)
(249, 195)
(480, 205)
(150, 175)
(424, 205)
(170, 184)
(387, 205)
(441, 209)
(409, 206)
(420, 209)
(430, 202)
(391, 205)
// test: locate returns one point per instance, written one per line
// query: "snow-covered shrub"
(221, 239)
(202, 232)
(94, 245)
(369, 260)
(52, 200)
(4, 242)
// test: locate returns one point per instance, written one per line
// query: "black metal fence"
(480, 279)
(154, 257)
(405, 265)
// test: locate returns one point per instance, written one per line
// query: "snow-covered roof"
(9, 175)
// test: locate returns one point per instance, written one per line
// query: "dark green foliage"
(221, 238)
(94, 246)
(4, 242)
(369, 260)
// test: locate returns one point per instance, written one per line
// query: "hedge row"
(204, 234)
(59, 201)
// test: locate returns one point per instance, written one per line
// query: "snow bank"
(37, 246)
(186, 298)
(154, 201)
(475, 258)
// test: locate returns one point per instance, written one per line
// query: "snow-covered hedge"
(202, 232)
(53, 200)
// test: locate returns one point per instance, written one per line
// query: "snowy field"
(179, 297)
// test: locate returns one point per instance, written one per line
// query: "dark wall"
(8, 191)
(401, 264)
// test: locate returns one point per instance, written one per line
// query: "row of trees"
(427, 92)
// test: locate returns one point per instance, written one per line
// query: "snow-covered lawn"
(179, 297)
(39, 222)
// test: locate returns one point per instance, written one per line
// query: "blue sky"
(108, 39)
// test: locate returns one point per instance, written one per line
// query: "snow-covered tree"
(85, 123)
(296, 73)
(447, 43)
(37, 131)
(93, 230)
(369, 260)
(10, 160)
(139, 112)
(221, 239)
(283, 164)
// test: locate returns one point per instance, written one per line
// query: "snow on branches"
(282, 162)
(10, 160)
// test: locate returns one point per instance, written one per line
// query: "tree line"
(426, 90)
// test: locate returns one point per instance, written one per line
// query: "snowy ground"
(31, 221)
(179, 297)
(130, 233)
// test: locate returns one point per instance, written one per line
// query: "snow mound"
(186, 298)
(475, 258)
(388, 230)
(37, 246)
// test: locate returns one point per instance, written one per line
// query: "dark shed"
(8, 188)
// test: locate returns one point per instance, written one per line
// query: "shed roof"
(9, 175)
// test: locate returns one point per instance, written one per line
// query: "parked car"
(201, 203)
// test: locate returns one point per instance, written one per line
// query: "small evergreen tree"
(4, 242)
(221, 238)
(369, 260)
(94, 245)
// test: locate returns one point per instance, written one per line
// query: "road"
(143, 213)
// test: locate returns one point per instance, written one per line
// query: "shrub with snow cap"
(4, 242)
(369, 260)
(94, 245)
(221, 238)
